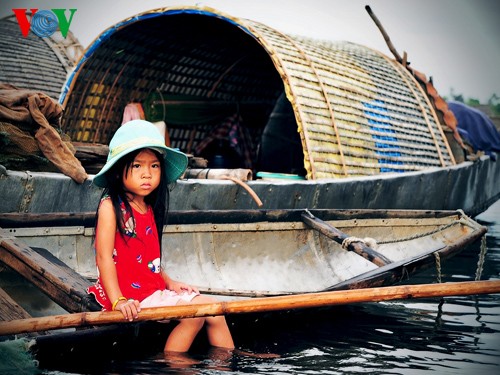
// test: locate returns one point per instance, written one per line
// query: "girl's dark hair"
(158, 199)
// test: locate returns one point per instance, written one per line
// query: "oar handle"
(252, 305)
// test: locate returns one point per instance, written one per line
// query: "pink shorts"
(162, 298)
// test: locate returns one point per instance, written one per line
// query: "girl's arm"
(104, 245)
(178, 286)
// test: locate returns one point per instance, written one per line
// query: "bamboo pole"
(387, 39)
(338, 236)
(254, 305)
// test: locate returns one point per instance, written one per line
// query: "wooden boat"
(272, 252)
(326, 125)
(246, 258)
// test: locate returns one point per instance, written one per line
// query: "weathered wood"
(338, 236)
(63, 285)
(10, 309)
(28, 220)
(91, 151)
(91, 155)
(20, 219)
(299, 301)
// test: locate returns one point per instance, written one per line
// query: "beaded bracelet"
(116, 302)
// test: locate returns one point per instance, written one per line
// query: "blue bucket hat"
(137, 134)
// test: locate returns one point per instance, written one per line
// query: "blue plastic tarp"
(476, 128)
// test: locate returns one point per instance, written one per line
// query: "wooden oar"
(338, 236)
(298, 301)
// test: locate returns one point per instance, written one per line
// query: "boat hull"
(470, 186)
(269, 252)
(241, 254)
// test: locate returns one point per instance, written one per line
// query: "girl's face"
(144, 174)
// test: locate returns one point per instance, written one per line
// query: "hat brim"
(175, 163)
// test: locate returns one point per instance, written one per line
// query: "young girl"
(129, 222)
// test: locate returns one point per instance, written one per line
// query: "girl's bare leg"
(183, 335)
(217, 330)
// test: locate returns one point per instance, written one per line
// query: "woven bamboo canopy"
(33, 62)
(353, 111)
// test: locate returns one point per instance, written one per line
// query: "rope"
(419, 235)
(250, 191)
(482, 256)
(370, 242)
(464, 220)
(438, 267)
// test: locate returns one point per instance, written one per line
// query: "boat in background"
(354, 128)
(470, 186)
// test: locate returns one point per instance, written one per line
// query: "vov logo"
(44, 23)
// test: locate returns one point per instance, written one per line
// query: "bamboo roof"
(33, 62)
(357, 111)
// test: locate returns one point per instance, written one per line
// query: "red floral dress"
(137, 259)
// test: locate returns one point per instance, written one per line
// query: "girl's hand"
(179, 287)
(130, 309)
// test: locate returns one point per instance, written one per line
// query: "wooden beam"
(255, 305)
(10, 309)
(338, 236)
(53, 277)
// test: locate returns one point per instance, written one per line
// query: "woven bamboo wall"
(357, 112)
